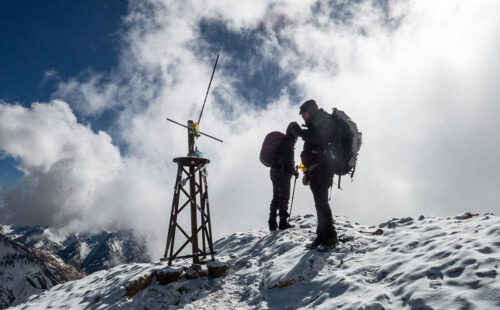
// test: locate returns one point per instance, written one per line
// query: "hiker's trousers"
(321, 179)
(281, 193)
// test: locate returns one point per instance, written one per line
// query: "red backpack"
(268, 152)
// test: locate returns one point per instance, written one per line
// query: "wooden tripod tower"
(191, 183)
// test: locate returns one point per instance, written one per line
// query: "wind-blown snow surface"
(424, 263)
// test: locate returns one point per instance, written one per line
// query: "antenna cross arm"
(201, 133)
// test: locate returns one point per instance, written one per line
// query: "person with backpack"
(319, 172)
(278, 153)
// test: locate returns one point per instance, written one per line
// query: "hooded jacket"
(320, 129)
(285, 156)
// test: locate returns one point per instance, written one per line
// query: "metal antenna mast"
(191, 183)
(208, 89)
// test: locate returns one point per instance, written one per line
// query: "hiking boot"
(284, 224)
(327, 245)
(314, 244)
(273, 225)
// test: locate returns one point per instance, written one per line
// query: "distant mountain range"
(88, 252)
(36, 258)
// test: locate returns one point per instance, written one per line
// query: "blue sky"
(65, 37)
(50, 42)
(266, 83)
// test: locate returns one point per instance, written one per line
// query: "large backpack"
(269, 150)
(343, 148)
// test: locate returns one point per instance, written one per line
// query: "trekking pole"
(293, 194)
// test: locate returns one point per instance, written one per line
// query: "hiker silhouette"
(319, 174)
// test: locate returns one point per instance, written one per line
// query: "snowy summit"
(407, 263)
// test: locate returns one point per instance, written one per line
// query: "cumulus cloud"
(422, 93)
(419, 78)
(64, 162)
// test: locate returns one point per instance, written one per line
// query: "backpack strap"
(338, 185)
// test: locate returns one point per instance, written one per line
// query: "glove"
(305, 180)
(296, 174)
(295, 129)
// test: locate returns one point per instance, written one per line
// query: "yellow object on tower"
(196, 129)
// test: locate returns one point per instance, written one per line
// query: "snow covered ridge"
(88, 252)
(25, 271)
(410, 263)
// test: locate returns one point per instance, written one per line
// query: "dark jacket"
(285, 156)
(319, 132)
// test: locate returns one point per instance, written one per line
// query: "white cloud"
(64, 162)
(91, 96)
(424, 94)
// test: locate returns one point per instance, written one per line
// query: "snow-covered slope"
(424, 263)
(89, 252)
(25, 271)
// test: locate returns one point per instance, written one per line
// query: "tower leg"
(209, 221)
(194, 214)
(203, 215)
(173, 217)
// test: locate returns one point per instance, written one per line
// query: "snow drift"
(407, 263)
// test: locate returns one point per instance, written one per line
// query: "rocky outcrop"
(25, 271)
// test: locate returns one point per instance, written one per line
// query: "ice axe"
(293, 194)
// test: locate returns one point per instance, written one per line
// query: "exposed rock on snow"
(168, 275)
(424, 263)
(217, 269)
(138, 285)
